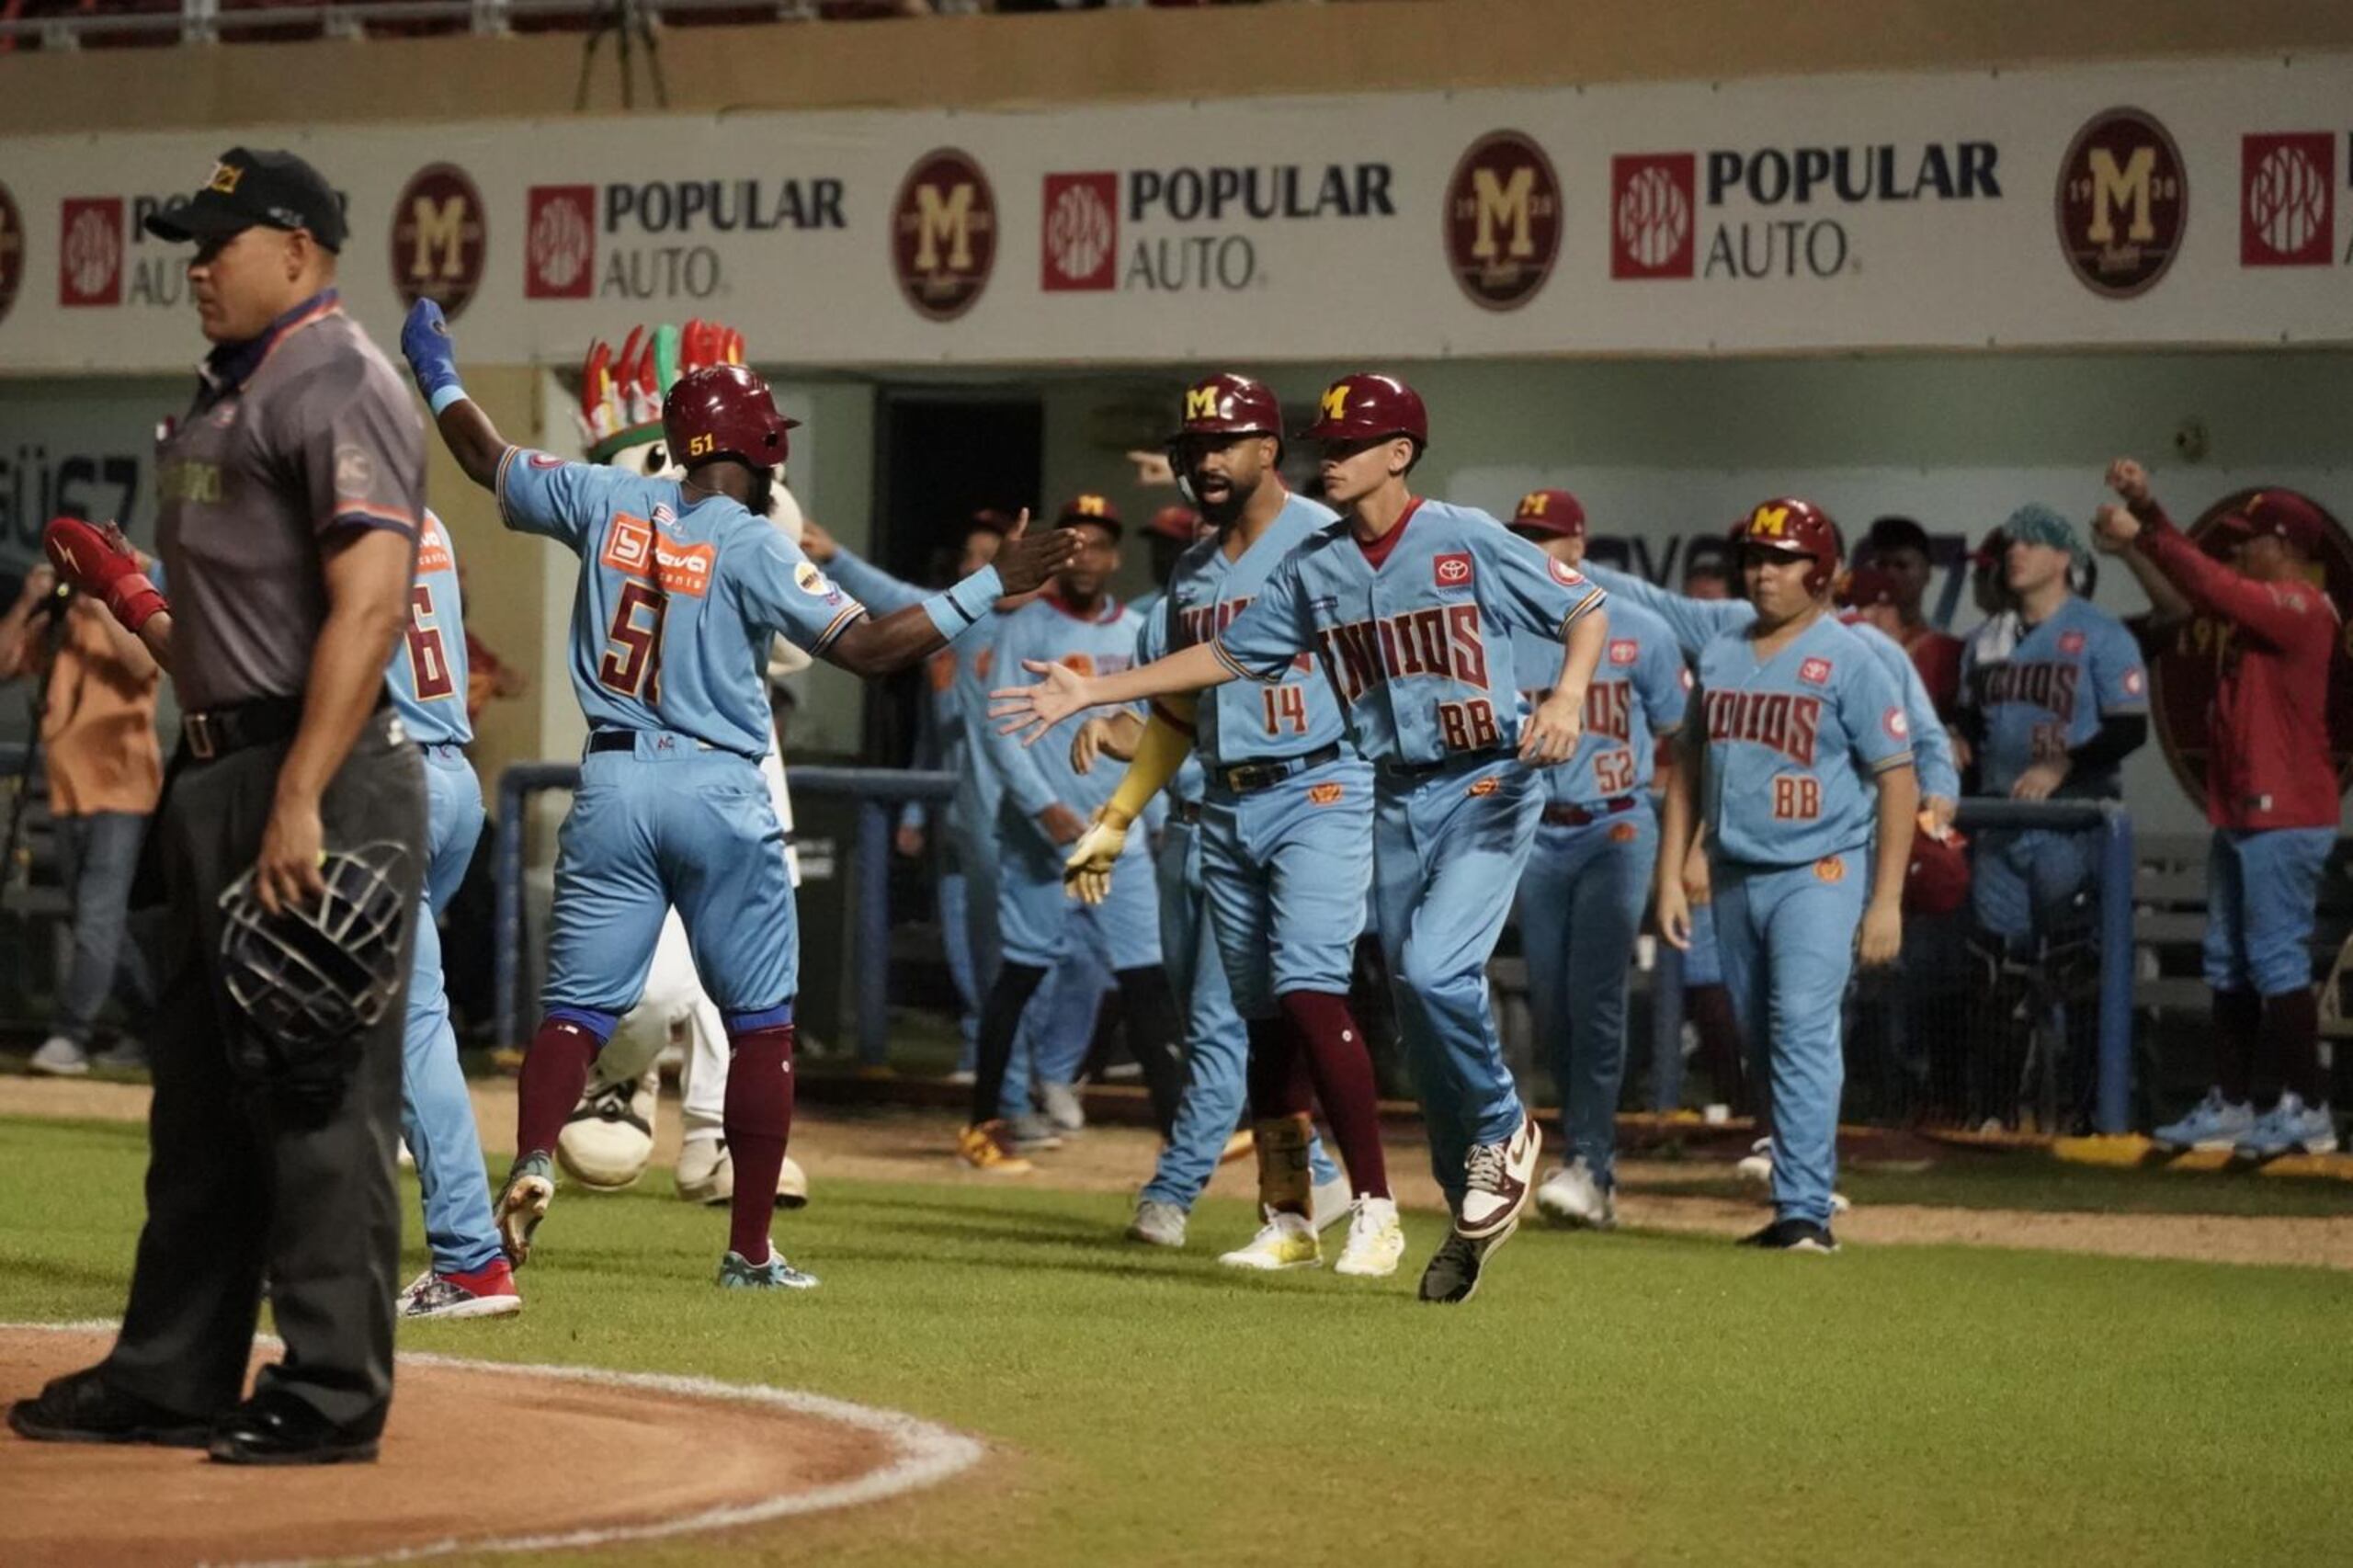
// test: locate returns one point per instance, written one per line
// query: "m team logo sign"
(1080, 247)
(1502, 220)
(2122, 203)
(559, 242)
(89, 251)
(2287, 200)
(440, 239)
(2185, 664)
(943, 234)
(12, 251)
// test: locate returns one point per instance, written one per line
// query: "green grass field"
(1631, 1398)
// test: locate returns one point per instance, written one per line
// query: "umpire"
(290, 500)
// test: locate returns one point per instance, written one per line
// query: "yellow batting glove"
(1086, 875)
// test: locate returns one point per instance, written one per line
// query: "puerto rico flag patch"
(1814, 672)
(1451, 570)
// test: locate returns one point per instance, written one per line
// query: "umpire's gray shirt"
(305, 430)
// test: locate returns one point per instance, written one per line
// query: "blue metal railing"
(878, 792)
(2113, 1107)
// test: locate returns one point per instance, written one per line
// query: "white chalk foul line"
(925, 1455)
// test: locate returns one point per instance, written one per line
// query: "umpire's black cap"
(247, 187)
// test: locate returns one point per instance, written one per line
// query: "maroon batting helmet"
(723, 411)
(1787, 526)
(1367, 408)
(1553, 514)
(1228, 405)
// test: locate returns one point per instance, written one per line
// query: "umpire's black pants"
(239, 1186)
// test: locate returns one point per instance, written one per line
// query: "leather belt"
(1185, 812)
(217, 731)
(1446, 764)
(1577, 816)
(1249, 777)
(626, 740)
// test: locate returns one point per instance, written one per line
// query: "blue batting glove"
(424, 344)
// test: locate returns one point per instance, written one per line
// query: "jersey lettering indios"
(1413, 630)
(1792, 742)
(677, 602)
(1695, 622)
(1243, 721)
(2061, 678)
(1637, 696)
(426, 678)
(1049, 630)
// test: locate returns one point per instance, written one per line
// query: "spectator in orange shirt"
(1899, 547)
(98, 728)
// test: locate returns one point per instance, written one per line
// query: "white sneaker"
(706, 1171)
(1571, 1196)
(1330, 1203)
(1157, 1224)
(1286, 1241)
(1756, 1166)
(1496, 1177)
(1060, 1106)
(60, 1058)
(1376, 1240)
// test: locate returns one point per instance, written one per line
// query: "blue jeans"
(98, 853)
(1217, 1045)
(436, 1114)
(1581, 902)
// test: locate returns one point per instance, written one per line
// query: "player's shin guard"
(1156, 1037)
(555, 1071)
(1341, 1065)
(759, 1123)
(1000, 1022)
(2238, 1018)
(2291, 1035)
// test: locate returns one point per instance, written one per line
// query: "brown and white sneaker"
(1497, 1178)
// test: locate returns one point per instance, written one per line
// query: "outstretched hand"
(1026, 560)
(425, 344)
(2130, 480)
(1029, 711)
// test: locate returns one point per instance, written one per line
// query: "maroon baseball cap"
(1174, 522)
(1551, 513)
(1091, 507)
(2281, 513)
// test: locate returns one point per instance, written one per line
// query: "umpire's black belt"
(1578, 817)
(1249, 777)
(1447, 763)
(217, 731)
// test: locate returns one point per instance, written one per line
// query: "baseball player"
(470, 1276)
(1899, 547)
(1409, 605)
(1696, 623)
(2271, 794)
(1589, 878)
(1044, 810)
(1059, 1025)
(682, 583)
(1285, 813)
(1809, 795)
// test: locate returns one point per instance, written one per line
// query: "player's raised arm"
(471, 438)
(880, 645)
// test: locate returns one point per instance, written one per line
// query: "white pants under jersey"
(674, 1007)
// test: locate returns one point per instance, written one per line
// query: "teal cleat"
(776, 1274)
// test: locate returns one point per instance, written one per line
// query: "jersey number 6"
(429, 657)
(632, 661)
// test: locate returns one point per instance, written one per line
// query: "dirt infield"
(912, 1145)
(674, 1455)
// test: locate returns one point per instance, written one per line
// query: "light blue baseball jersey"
(1638, 694)
(2062, 678)
(1247, 722)
(1050, 631)
(1793, 740)
(1694, 622)
(1415, 629)
(426, 678)
(676, 601)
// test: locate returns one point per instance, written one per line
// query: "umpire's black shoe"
(278, 1429)
(83, 1407)
(1792, 1235)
